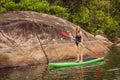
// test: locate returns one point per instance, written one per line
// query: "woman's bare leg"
(81, 53)
(78, 52)
(78, 57)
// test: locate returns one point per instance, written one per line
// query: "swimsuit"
(77, 40)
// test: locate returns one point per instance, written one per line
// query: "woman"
(78, 42)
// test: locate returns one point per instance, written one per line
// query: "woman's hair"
(77, 29)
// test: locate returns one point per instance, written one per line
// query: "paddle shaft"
(96, 54)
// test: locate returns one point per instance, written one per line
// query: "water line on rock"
(41, 44)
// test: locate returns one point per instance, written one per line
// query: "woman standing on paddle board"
(78, 42)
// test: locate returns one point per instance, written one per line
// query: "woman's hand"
(82, 44)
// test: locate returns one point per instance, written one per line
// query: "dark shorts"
(77, 40)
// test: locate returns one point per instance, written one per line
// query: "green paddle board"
(73, 64)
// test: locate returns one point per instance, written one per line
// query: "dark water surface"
(107, 70)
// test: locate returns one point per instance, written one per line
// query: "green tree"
(91, 15)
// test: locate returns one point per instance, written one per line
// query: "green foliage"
(91, 15)
(78, 17)
(112, 28)
(59, 11)
(10, 6)
(41, 6)
(2, 9)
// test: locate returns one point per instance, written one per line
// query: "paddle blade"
(99, 56)
(65, 34)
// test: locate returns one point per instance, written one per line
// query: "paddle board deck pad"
(73, 64)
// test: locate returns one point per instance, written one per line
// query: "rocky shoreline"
(22, 33)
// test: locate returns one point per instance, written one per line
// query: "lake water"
(106, 70)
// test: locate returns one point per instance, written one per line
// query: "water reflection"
(41, 73)
(80, 73)
(107, 70)
(112, 65)
(27, 73)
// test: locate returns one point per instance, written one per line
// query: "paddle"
(96, 54)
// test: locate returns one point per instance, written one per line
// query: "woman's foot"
(77, 61)
(81, 61)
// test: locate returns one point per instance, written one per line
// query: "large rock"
(26, 36)
(104, 40)
(117, 45)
